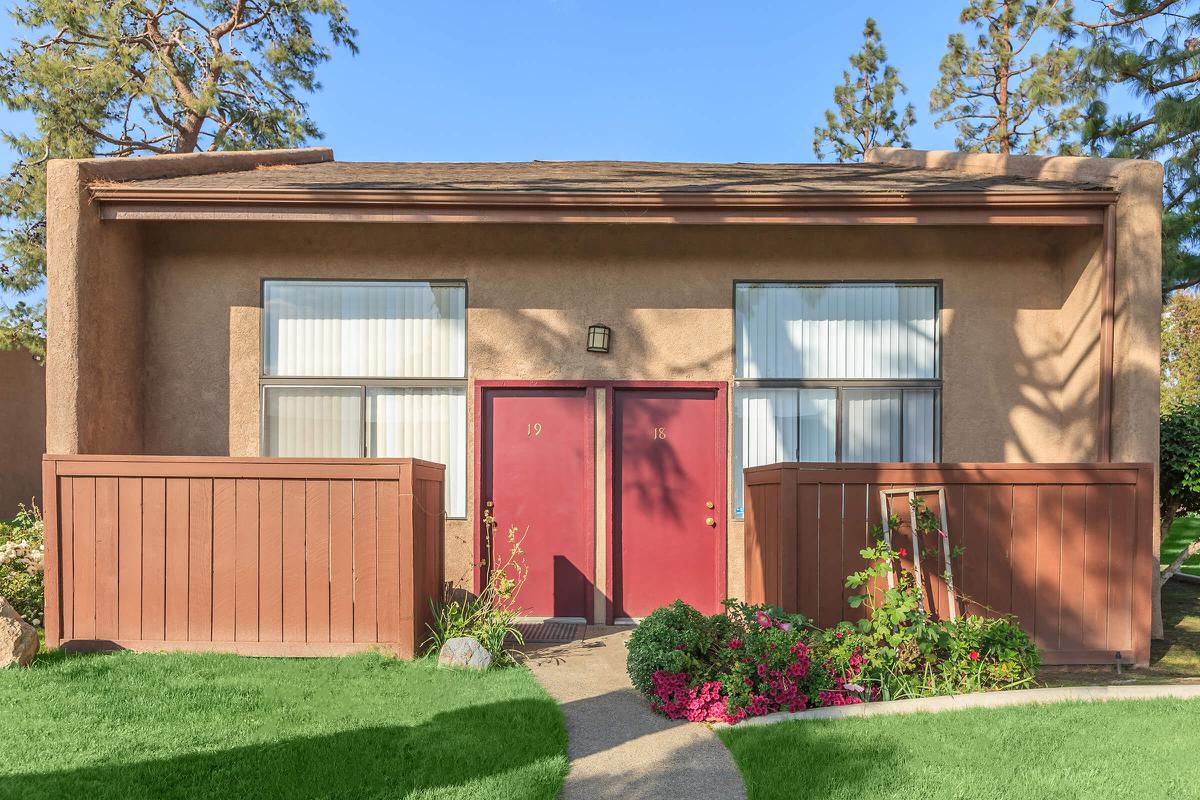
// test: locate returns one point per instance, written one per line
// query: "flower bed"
(755, 660)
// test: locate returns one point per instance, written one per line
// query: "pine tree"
(866, 114)
(1018, 89)
(1152, 49)
(127, 77)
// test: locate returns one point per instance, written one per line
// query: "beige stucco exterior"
(154, 326)
(22, 429)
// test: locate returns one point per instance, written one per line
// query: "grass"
(1141, 749)
(211, 726)
(1184, 531)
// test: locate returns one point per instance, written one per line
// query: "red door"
(537, 470)
(668, 500)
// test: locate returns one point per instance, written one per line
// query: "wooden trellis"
(943, 532)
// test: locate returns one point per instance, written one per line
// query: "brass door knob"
(709, 504)
(710, 522)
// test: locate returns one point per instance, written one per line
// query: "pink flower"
(763, 619)
(734, 644)
(785, 626)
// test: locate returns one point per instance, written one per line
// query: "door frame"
(720, 454)
(588, 513)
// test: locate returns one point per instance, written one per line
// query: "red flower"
(973, 655)
(734, 644)
(902, 552)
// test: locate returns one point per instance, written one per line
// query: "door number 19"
(534, 429)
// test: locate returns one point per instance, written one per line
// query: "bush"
(748, 661)
(21, 563)
(676, 638)
(755, 660)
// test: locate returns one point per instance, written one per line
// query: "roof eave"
(130, 201)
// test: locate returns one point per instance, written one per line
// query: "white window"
(835, 372)
(367, 368)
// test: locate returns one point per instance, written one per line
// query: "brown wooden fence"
(247, 555)
(1066, 548)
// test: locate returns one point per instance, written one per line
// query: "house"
(22, 429)
(598, 349)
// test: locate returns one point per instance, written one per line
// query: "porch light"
(598, 338)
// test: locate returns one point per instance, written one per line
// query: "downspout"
(1107, 325)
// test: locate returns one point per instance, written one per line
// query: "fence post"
(51, 564)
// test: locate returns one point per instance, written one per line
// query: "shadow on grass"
(448, 752)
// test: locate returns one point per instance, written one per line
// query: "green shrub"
(675, 638)
(21, 554)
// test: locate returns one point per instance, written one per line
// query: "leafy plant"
(490, 616)
(21, 563)
(1179, 481)
(755, 659)
(675, 638)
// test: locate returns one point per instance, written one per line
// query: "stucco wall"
(1009, 296)
(22, 429)
(96, 304)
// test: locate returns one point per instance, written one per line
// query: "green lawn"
(216, 726)
(1145, 750)
(1183, 532)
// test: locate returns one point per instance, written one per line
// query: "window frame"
(362, 383)
(841, 384)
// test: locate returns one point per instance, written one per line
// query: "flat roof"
(625, 177)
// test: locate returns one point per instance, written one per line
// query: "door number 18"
(659, 433)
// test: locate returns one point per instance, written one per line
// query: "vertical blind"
(359, 332)
(834, 335)
(376, 329)
(313, 421)
(422, 423)
(835, 331)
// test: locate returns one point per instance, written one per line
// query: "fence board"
(106, 558)
(246, 570)
(1066, 548)
(84, 571)
(129, 556)
(257, 556)
(224, 562)
(176, 588)
(341, 561)
(365, 589)
(270, 561)
(154, 557)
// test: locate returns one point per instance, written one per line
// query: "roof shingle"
(611, 176)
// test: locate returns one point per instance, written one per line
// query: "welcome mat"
(550, 631)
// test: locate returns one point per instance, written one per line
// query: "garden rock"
(466, 652)
(18, 639)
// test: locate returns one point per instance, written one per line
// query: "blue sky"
(611, 79)
(478, 80)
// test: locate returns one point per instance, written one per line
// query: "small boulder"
(18, 639)
(465, 652)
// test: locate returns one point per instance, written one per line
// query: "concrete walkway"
(617, 746)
